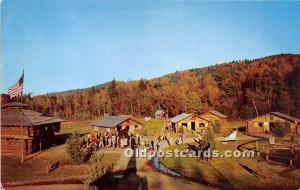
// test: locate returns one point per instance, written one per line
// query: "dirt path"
(157, 180)
(141, 168)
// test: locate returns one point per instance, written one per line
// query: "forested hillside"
(272, 83)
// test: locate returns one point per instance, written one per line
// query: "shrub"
(75, 148)
(217, 127)
(280, 129)
(209, 138)
(96, 171)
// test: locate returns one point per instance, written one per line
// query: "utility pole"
(255, 107)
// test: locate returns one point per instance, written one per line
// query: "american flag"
(17, 88)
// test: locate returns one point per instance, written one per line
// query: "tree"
(209, 138)
(193, 103)
(97, 170)
(75, 148)
(216, 127)
(280, 129)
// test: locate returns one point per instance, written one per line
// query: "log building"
(25, 130)
(188, 122)
(215, 116)
(123, 123)
(264, 123)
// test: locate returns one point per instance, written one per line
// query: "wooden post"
(291, 162)
(267, 157)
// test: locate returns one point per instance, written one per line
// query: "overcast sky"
(64, 44)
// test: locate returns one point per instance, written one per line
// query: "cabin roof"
(280, 115)
(111, 121)
(158, 112)
(12, 116)
(14, 104)
(180, 117)
(183, 116)
(216, 113)
(285, 116)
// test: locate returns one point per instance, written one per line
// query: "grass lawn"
(82, 127)
(153, 127)
(48, 187)
(235, 172)
(35, 166)
(35, 169)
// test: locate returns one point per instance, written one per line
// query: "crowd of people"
(114, 140)
(123, 139)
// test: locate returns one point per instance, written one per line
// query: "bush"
(217, 127)
(97, 170)
(75, 148)
(209, 138)
(280, 129)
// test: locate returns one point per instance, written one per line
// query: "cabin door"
(193, 126)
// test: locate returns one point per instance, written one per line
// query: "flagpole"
(22, 152)
(16, 90)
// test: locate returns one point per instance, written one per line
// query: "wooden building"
(5, 98)
(188, 122)
(25, 130)
(160, 114)
(123, 123)
(264, 123)
(215, 116)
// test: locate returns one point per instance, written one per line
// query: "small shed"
(189, 122)
(21, 127)
(215, 116)
(118, 123)
(160, 114)
(264, 122)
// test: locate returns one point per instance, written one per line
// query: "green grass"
(82, 127)
(228, 173)
(35, 169)
(49, 187)
(153, 127)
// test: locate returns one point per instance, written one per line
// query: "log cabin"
(124, 123)
(24, 131)
(215, 116)
(189, 122)
(160, 114)
(263, 123)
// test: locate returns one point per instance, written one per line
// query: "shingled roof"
(285, 116)
(14, 104)
(216, 113)
(13, 116)
(180, 117)
(110, 121)
(159, 112)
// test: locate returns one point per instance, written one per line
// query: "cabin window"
(184, 124)
(271, 117)
(261, 124)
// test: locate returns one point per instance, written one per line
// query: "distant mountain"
(271, 83)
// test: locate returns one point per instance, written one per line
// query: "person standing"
(101, 141)
(152, 144)
(113, 139)
(170, 140)
(132, 143)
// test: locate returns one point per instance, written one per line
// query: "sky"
(64, 44)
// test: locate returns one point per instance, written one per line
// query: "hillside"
(272, 83)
